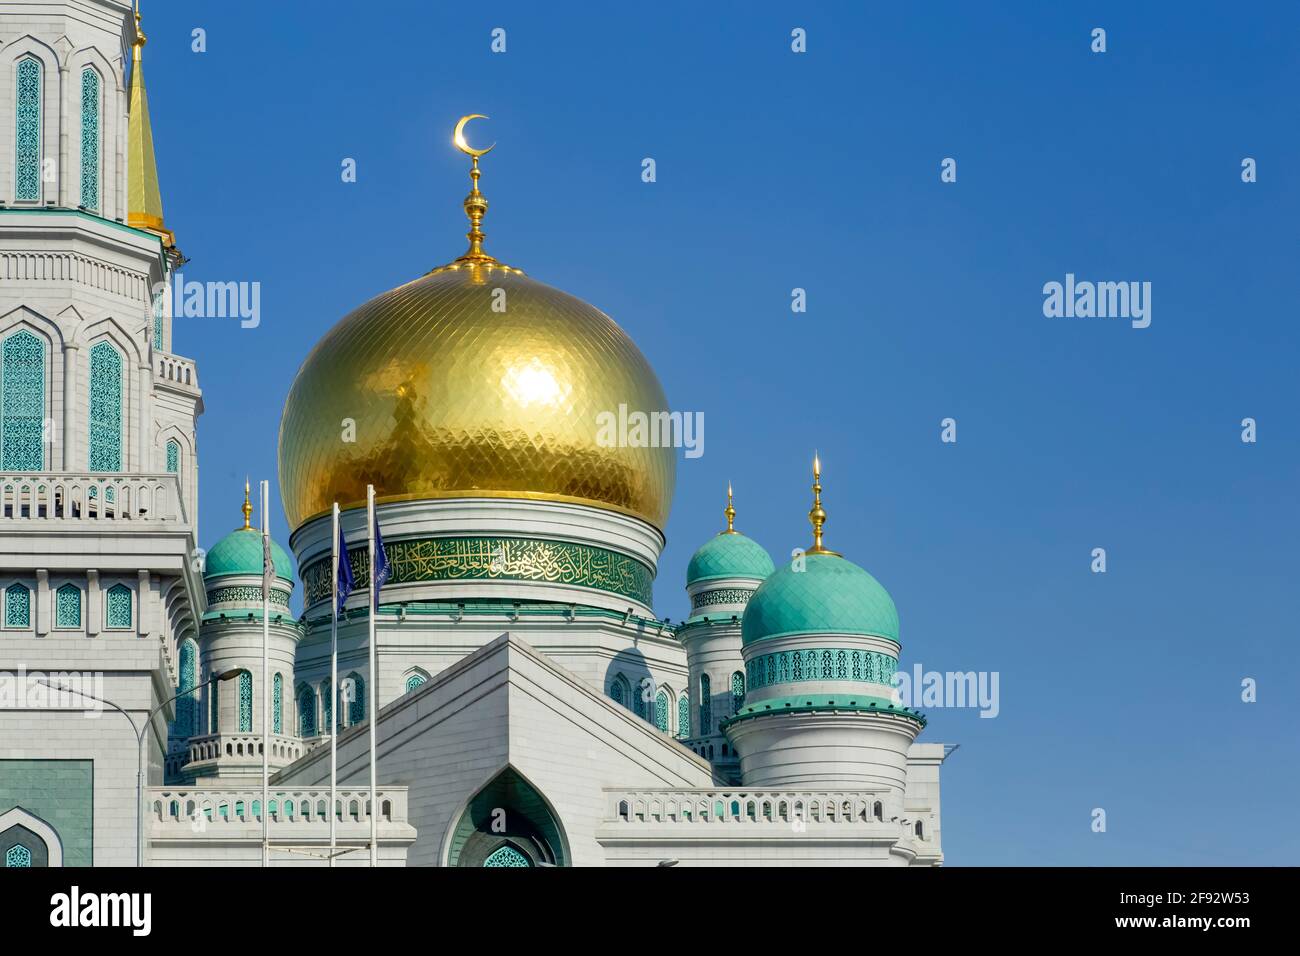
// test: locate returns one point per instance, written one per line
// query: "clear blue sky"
(821, 171)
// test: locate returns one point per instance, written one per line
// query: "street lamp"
(140, 735)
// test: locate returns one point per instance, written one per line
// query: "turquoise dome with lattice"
(240, 553)
(729, 555)
(827, 595)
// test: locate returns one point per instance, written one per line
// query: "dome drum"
(720, 598)
(492, 550)
(826, 748)
(823, 665)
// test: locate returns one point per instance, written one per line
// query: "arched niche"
(508, 816)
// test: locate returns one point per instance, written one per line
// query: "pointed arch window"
(661, 711)
(105, 408)
(327, 707)
(18, 606)
(277, 695)
(414, 681)
(683, 716)
(186, 705)
(737, 691)
(214, 707)
(173, 458)
(22, 393)
(306, 713)
(356, 696)
(119, 606)
(67, 607)
(706, 706)
(27, 155)
(90, 139)
(245, 702)
(618, 691)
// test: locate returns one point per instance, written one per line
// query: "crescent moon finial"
(459, 137)
(476, 205)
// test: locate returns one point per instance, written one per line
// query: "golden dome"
(454, 398)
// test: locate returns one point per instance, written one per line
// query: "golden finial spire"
(476, 205)
(817, 515)
(144, 196)
(247, 509)
(140, 39)
(730, 512)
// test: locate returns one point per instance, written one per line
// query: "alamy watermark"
(52, 690)
(211, 300)
(920, 689)
(637, 429)
(1103, 300)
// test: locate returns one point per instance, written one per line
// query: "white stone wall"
(506, 705)
(126, 671)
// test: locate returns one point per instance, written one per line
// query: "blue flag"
(381, 570)
(345, 583)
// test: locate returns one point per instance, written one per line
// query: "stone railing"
(176, 369)
(70, 498)
(780, 807)
(246, 748)
(219, 806)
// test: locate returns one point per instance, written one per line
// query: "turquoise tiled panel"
(60, 792)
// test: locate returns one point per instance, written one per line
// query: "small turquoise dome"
(829, 596)
(729, 555)
(240, 552)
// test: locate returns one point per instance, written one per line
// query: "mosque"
(534, 710)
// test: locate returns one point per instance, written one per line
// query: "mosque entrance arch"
(508, 823)
(28, 841)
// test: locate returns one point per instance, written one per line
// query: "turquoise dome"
(830, 596)
(729, 555)
(240, 552)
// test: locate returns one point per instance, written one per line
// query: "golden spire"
(247, 509)
(817, 515)
(144, 197)
(730, 512)
(476, 205)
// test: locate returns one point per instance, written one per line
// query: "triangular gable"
(506, 705)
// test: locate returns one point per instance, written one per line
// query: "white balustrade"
(777, 807)
(217, 806)
(176, 369)
(245, 748)
(70, 498)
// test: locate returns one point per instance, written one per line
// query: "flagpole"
(266, 679)
(334, 682)
(374, 676)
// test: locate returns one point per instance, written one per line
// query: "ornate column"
(145, 618)
(70, 443)
(93, 603)
(42, 602)
(144, 463)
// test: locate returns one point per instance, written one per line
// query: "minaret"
(720, 579)
(99, 434)
(224, 733)
(820, 644)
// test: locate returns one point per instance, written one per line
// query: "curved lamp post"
(141, 734)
